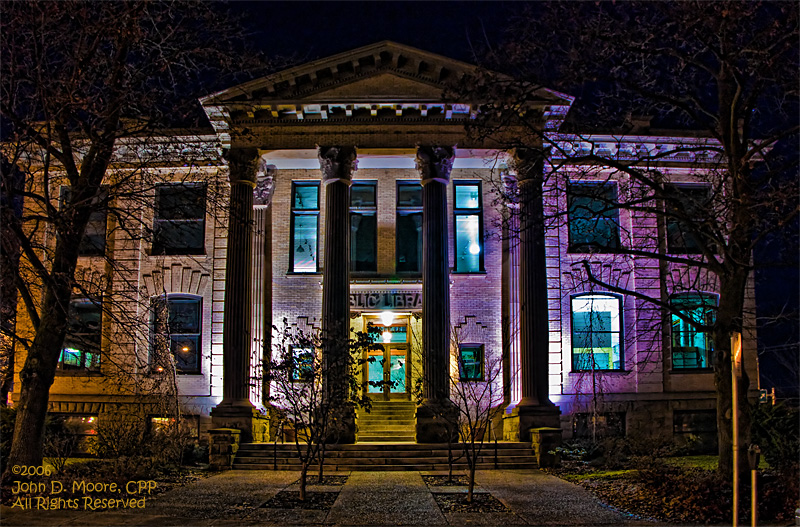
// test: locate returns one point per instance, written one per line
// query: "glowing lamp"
(387, 317)
(185, 349)
(386, 336)
(474, 248)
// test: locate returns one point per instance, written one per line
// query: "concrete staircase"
(383, 456)
(387, 422)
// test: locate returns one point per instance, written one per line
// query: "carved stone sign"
(393, 299)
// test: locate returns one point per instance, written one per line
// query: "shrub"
(120, 434)
(59, 442)
(775, 430)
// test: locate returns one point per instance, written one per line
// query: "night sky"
(306, 31)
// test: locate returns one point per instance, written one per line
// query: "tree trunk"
(471, 480)
(303, 473)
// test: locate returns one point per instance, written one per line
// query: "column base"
(342, 427)
(437, 422)
(253, 425)
(518, 423)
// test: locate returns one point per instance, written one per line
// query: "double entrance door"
(387, 370)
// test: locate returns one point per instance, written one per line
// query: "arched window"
(596, 333)
(176, 332)
(692, 347)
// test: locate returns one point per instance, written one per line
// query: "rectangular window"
(470, 362)
(593, 218)
(468, 226)
(304, 228)
(82, 427)
(409, 228)
(691, 347)
(606, 424)
(685, 206)
(302, 364)
(179, 226)
(93, 242)
(176, 333)
(596, 335)
(363, 228)
(695, 430)
(81, 349)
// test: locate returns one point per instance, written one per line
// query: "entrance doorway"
(387, 372)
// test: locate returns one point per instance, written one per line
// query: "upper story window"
(93, 242)
(81, 348)
(468, 226)
(691, 347)
(179, 225)
(176, 333)
(470, 362)
(593, 217)
(304, 253)
(409, 227)
(689, 202)
(302, 364)
(596, 333)
(363, 227)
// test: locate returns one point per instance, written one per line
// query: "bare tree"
(298, 373)
(85, 88)
(723, 71)
(476, 391)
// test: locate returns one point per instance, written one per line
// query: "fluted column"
(236, 333)
(236, 410)
(534, 409)
(434, 165)
(337, 164)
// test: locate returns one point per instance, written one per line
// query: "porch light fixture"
(387, 317)
(386, 336)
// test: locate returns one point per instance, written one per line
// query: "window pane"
(306, 197)
(690, 201)
(691, 348)
(593, 220)
(94, 238)
(304, 244)
(81, 349)
(468, 243)
(184, 316)
(362, 195)
(470, 364)
(596, 333)
(409, 242)
(303, 364)
(409, 195)
(181, 202)
(467, 196)
(179, 237)
(185, 350)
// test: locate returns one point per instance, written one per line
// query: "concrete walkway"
(368, 498)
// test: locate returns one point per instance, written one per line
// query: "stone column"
(434, 164)
(337, 164)
(236, 411)
(262, 283)
(534, 409)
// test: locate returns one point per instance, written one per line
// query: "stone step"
(429, 448)
(372, 428)
(410, 460)
(420, 467)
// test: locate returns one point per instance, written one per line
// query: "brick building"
(372, 209)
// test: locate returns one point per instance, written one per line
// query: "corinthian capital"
(336, 162)
(243, 165)
(434, 163)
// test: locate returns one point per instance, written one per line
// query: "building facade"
(357, 201)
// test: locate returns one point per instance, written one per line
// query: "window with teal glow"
(468, 227)
(409, 227)
(176, 334)
(304, 252)
(81, 349)
(596, 333)
(470, 362)
(691, 346)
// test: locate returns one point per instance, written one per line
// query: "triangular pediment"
(379, 78)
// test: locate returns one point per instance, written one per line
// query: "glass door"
(386, 371)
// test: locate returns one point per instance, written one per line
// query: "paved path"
(368, 498)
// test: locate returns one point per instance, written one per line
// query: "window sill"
(78, 373)
(468, 273)
(180, 255)
(690, 370)
(581, 372)
(315, 273)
